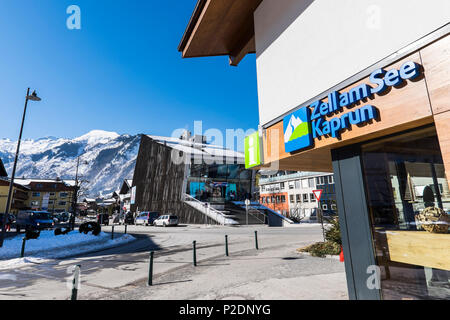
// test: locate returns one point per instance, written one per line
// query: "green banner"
(252, 151)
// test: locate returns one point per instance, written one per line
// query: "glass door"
(409, 204)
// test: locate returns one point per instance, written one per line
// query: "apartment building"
(48, 195)
(292, 194)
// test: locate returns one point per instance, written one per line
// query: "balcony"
(20, 195)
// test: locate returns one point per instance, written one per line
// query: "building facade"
(360, 89)
(48, 195)
(189, 178)
(292, 194)
(20, 196)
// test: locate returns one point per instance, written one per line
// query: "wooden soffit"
(219, 28)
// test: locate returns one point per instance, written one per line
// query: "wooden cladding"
(221, 27)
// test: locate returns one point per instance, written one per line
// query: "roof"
(4, 181)
(126, 186)
(218, 28)
(293, 176)
(201, 150)
(26, 182)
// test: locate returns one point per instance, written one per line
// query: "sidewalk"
(269, 274)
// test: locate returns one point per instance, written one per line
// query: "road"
(114, 273)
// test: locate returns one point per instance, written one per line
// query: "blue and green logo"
(297, 130)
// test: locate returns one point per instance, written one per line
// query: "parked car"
(146, 218)
(34, 220)
(61, 217)
(103, 219)
(166, 220)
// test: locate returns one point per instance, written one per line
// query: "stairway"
(219, 216)
(238, 214)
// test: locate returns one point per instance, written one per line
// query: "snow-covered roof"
(201, 150)
(26, 182)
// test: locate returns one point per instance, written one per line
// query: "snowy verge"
(49, 246)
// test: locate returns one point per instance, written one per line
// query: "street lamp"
(32, 97)
(75, 196)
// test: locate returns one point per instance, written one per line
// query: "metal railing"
(260, 216)
(209, 211)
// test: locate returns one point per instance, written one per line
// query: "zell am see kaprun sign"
(306, 124)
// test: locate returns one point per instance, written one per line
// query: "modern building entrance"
(398, 179)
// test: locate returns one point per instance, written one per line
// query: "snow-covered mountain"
(110, 158)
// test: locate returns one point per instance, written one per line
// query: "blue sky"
(121, 72)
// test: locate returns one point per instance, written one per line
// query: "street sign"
(252, 151)
(318, 194)
(133, 195)
(247, 202)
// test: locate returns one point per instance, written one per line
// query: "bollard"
(194, 253)
(22, 252)
(150, 270)
(125, 229)
(256, 240)
(75, 282)
(226, 245)
(112, 233)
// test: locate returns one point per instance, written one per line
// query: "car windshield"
(145, 214)
(41, 215)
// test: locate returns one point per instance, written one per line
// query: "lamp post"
(75, 197)
(32, 97)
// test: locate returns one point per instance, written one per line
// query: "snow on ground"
(49, 246)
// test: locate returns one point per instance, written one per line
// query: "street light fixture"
(32, 97)
(75, 196)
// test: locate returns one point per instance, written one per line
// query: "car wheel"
(18, 229)
(164, 224)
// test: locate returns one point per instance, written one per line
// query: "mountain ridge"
(110, 159)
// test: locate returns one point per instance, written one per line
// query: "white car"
(167, 220)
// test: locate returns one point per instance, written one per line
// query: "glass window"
(283, 199)
(305, 197)
(62, 203)
(311, 182)
(297, 184)
(408, 209)
(304, 183)
(298, 198)
(330, 179)
(312, 197)
(324, 206)
(282, 185)
(291, 185)
(63, 194)
(36, 194)
(291, 198)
